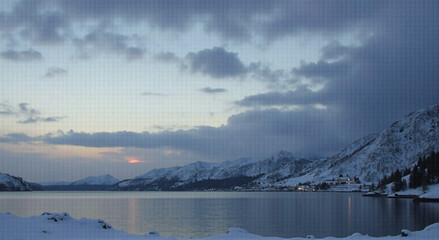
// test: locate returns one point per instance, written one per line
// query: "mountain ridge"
(368, 159)
(13, 183)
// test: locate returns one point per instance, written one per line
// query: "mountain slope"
(369, 159)
(278, 166)
(97, 180)
(12, 183)
(397, 147)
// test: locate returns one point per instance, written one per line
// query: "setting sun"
(133, 160)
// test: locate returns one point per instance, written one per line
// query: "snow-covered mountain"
(369, 159)
(12, 183)
(97, 180)
(376, 155)
(277, 167)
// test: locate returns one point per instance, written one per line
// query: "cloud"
(264, 73)
(216, 63)
(36, 21)
(323, 69)
(254, 133)
(40, 119)
(334, 50)
(53, 21)
(6, 110)
(213, 90)
(16, 138)
(168, 57)
(387, 75)
(152, 94)
(301, 96)
(108, 42)
(55, 72)
(219, 63)
(25, 55)
(235, 20)
(29, 114)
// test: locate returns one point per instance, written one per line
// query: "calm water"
(201, 214)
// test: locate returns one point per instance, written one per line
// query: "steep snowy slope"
(12, 183)
(397, 147)
(97, 180)
(369, 159)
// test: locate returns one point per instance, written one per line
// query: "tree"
(398, 183)
(415, 177)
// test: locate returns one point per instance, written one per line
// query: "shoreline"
(63, 226)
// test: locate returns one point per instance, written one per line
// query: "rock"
(104, 224)
(154, 233)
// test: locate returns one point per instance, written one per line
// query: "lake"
(201, 214)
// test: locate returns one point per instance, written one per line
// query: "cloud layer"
(28, 114)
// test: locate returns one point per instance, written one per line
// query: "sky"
(94, 87)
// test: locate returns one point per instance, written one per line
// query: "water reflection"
(349, 214)
(205, 214)
(132, 215)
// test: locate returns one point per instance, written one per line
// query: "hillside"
(12, 183)
(397, 147)
(367, 159)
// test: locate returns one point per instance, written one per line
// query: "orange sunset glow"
(133, 160)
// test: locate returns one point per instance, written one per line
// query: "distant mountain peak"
(284, 154)
(106, 179)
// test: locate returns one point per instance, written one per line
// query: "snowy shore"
(62, 226)
(418, 194)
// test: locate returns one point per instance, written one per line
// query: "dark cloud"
(334, 50)
(323, 69)
(54, 72)
(219, 63)
(29, 114)
(237, 20)
(228, 19)
(213, 90)
(216, 63)
(36, 21)
(301, 96)
(51, 21)
(263, 72)
(16, 138)
(331, 17)
(108, 42)
(253, 133)
(391, 73)
(25, 55)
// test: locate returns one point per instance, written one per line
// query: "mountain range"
(368, 159)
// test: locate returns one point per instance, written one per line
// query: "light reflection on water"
(201, 214)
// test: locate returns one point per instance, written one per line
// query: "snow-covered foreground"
(62, 226)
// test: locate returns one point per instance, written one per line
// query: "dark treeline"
(425, 172)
